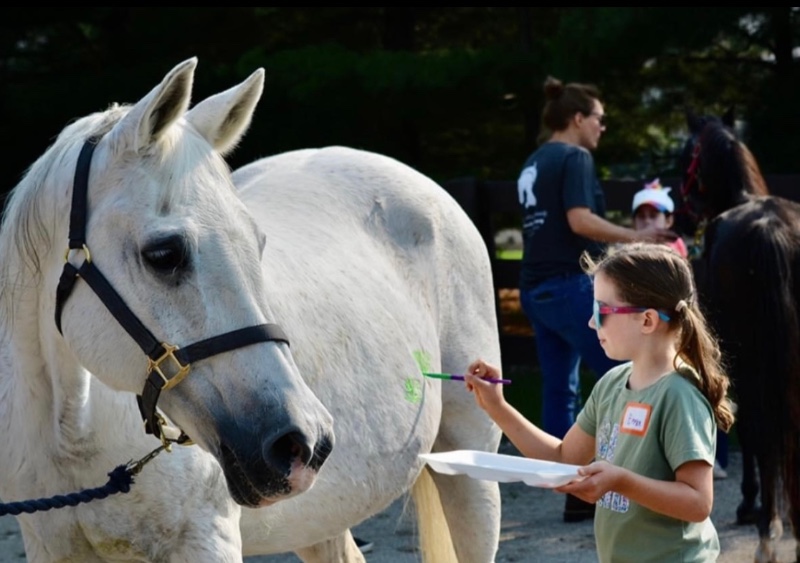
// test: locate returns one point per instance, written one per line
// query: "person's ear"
(649, 321)
(669, 219)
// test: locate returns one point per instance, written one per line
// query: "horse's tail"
(435, 542)
(769, 379)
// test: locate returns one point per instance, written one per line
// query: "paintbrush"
(456, 377)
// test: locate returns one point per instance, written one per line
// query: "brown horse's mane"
(751, 171)
(729, 166)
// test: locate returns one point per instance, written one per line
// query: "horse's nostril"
(321, 452)
(288, 448)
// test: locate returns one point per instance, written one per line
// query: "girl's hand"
(597, 479)
(487, 395)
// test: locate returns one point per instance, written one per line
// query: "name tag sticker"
(636, 418)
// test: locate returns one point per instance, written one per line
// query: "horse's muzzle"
(289, 465)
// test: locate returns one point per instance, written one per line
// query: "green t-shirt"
(651, 432)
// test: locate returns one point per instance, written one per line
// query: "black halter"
(167, 364)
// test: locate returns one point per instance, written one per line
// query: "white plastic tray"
(502, 468)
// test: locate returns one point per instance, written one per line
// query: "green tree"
(451, 91)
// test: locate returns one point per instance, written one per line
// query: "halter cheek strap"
(167, 364)
(691, 172)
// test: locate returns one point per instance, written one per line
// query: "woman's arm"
(588, 225)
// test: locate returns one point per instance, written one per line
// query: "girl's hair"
(654, 275)
(564, 101)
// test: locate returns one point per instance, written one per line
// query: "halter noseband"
(167, 364)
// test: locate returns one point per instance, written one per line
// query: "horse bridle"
(167, 364)
(692, 177)
(691, 172)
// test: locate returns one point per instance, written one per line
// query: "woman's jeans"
(559, 309)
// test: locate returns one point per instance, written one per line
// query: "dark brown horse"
(750, 286)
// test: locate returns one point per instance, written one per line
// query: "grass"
(508, 254)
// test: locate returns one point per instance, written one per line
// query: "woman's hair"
(654, 275)
(562, 102)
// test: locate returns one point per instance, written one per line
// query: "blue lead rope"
(120, 481)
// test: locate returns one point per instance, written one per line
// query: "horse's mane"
(752, 171)
(36, 203)
(24, 211)
(727, 162)
(30, 210)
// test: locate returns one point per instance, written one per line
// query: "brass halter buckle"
(170, 434)
(178, 370)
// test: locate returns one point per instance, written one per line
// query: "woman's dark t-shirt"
(556, 177)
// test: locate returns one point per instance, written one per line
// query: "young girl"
(653, 207)
(650, 424)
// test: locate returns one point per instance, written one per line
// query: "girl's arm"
(689, 498)
(576, 448)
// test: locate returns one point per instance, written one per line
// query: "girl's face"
(648, 216)
(619, 331)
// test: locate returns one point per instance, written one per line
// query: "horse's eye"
(167, 256)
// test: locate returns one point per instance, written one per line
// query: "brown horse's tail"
(435, 542)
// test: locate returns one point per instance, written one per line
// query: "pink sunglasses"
(599, 310)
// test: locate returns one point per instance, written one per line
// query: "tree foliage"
(451, 91)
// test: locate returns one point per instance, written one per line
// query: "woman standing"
(563, 216)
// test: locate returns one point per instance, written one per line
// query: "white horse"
(374, 273)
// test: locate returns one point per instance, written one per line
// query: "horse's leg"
(794, 519)
(468, 330)
(769, 523)
(793, 498)
(748, 509)
(341, 549)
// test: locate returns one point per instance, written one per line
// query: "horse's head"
(163, 253)
(718, 169)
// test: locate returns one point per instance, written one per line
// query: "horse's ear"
(693, 121)
(158, 110)
(223, 118)
(728, 118)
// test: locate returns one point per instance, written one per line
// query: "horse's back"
(355, 189)
(380, 275)
(382, 218)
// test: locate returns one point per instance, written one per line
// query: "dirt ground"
(532, 530)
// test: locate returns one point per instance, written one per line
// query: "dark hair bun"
(553, 88)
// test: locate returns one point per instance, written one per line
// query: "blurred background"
(453, 92)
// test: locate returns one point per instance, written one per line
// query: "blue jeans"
(559, 309)
(722, 449)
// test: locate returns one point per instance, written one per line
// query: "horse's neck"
(730, 197)
(44, 391)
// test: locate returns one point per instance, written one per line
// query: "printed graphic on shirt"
(635, 418)
(607, 441)
(534, 221)
(607, 437)
(525, 183)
